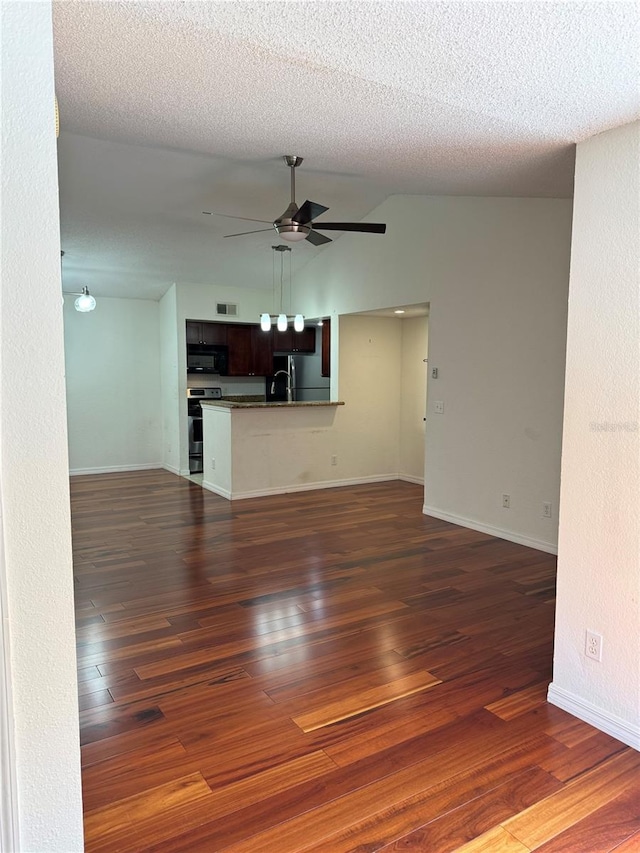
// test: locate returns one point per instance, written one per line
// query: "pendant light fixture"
(85, 302)
(281, 319)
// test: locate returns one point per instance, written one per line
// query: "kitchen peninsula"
(259, 448)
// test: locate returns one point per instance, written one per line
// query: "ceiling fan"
(297, 223)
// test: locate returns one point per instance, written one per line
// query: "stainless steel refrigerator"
(300, 373)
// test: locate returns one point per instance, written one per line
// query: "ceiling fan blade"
(364, 227)
(317, 239)
(308, 211)
(242, 233)
(227, 216)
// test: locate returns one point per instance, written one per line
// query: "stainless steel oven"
(194, 421)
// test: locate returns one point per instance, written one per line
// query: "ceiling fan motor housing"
(293, 231)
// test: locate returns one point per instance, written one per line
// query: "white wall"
(495, 272)
(170, 381)
(35, 566)
(599, 549)
(413, 397)
(112, 357)
(368, 426)
(269, 451)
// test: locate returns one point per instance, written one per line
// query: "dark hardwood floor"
(328, 671)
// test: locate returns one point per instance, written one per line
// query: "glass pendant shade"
(282, 322)
(265, 322)
(298, 322)
(85, 302)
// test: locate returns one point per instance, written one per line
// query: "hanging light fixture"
(281, 319)
(85, 302)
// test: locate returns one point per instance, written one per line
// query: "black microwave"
(207, 358)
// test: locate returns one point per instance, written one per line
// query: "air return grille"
(227, 309)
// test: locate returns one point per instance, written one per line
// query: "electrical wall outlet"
(213, 464)
(334, 460)
(593, 645)
(438, 407)
(546, 509)
(434, 372)
(506, 501)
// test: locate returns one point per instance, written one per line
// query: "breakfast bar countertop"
(229, 404)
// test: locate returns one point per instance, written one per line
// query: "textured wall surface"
(413, 396)
(599, 548)
(112, 357)
(496, 273)
(33, 459)
(368, 425)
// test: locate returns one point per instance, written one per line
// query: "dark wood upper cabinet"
(261, 352)
(250, 350)
(326, 348)
(239, 343)
(194, 332)
(200, 332)
(292, 341)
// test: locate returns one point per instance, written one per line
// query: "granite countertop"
(229, 404)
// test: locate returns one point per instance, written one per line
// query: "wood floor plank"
(572, 761)
(551, 816)
(496, 840)
(115, 822)
(365, 700)
(448, 815)
(630, 845)
(414, 654)
(601, 831)
(519, 703)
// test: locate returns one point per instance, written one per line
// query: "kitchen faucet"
(289, 391)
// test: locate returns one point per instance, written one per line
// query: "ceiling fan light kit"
(297, 223)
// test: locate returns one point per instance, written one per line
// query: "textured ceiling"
(172, 108)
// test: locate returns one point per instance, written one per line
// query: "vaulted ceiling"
(172, 108)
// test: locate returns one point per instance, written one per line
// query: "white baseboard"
(115, 469)
(510, 536)
(217, 490)
(409, 478)
(603, 720)
(302, 487)
(172, 469)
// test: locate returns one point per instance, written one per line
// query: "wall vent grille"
(227, 309)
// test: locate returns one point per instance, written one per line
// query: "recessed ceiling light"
(399, 311)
